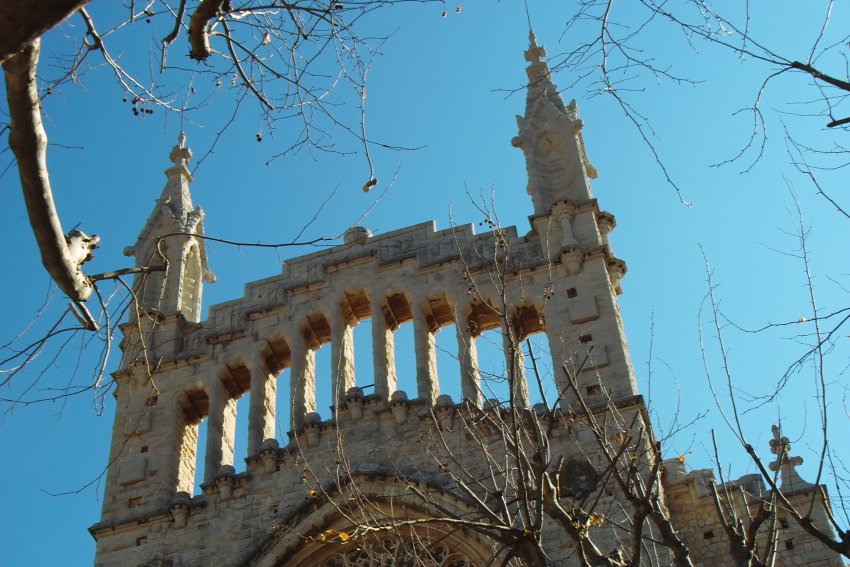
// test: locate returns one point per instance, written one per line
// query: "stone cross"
(534, 52)
(787, 465)
(180, 154)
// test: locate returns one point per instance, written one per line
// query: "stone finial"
(534, 52)
(444, 401)
(356, 235)
(784, 463)
(180, 154)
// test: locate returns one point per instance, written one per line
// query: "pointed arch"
(401, 524)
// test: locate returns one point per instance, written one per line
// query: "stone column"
(512, 345)
(221, 428)
(467, 354)
(342, 355)
(302, 380)
(564, 215)
(383, 351)
(426, 355)
(179, 465)
(261, 409)
(556, 319)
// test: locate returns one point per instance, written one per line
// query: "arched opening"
(397, 312)
(325, 535)
(484, 323)
(237, 381)
(529, 331)
(311, 392)
(363, 359)
(277, 358)
(194, 407)
(440, 314)
(356, 310)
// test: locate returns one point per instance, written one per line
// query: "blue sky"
(442, 84)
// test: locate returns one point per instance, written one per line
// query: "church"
(562, 469)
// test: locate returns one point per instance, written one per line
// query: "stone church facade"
(379, 457)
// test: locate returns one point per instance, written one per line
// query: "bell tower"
(581, 313)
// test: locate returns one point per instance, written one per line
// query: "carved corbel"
(179, 509)
(444, 410)
(616, 271)
(606, 222)
(268, 455)
(542, 412)
(572, 260)
(399, 406)
(354, 402)
(311, 428)
(224, 481)
(563, 209)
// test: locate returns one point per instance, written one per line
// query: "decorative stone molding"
(394, 551)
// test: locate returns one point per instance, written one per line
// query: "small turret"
(550, 137)
(173, 237)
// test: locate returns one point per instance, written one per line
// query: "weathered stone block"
(132, 470)
(583, 309)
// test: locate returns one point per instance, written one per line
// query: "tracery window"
(397, 553)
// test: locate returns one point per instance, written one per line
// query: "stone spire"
(539, 76)
(785, 463)
(176, 192)
(550, 137)
(178, 287)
